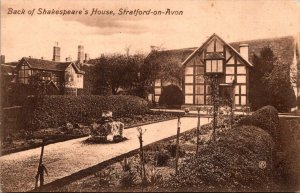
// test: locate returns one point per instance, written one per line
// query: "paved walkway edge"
(91, 170)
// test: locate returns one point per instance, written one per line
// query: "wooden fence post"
(40, 166)
(143, 170)
(177, 145)
(198, 128)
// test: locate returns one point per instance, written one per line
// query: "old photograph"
(150, 96)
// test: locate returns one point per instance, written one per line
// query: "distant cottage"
(63, 77)
(235, 66)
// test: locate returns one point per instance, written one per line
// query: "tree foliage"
(164, 68)
(115, 72)
(270, 82)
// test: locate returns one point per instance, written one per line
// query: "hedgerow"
(56, 110)
(230, 164)
(265, 118)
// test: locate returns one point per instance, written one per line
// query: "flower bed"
(233, 163)
(27, 139)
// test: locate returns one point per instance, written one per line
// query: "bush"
(129, 175)
(162, 158)
(230, 164)
(171, 147)
(53, 111)
(265, 118)
(171, 95)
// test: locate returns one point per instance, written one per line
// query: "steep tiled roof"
(282, 47)
(178, 55)
(46, 64)
(50, 65)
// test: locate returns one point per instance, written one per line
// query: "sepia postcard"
(150, 96)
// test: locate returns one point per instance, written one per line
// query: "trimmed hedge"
(230, 164)
(265, 118)
(53, 111)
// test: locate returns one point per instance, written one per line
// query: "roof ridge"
(48, 60)
(261, 39)
(178, 49)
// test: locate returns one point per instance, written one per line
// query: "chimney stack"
(244, 51)
(68, 59)
(56, 53)
(86, 57)
(154, 48)
(2, 59)
(80, 54)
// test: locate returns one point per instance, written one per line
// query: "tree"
(281, 94)
(117, 71)
(165, 68)
(270, 82)
(263, 65)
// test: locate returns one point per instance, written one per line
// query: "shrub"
(230, 164)
(162, 158)
(104, 176)
(153, 176)
(265, 118)
(171, 147)
(129, 175)
(171, 95)
(53, 111)
(128, 178)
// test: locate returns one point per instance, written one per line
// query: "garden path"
(18, 170)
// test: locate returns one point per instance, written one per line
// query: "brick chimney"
(244, 51)
(80, 54)
(86, 57)
(2, 59)
(56, 53)
(68, 59)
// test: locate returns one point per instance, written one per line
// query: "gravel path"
(18, 170)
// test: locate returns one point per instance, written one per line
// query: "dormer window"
(214, 63)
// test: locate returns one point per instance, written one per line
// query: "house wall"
(197, 90)
(25, 72)
(72, 79)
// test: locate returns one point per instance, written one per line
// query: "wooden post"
(143, 170)
(40, 165)
(177, 145)
(198, 128)
(232, 104)
(214, 100)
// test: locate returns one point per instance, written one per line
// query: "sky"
(24, 35)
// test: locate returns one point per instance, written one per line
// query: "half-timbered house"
(236, 60)
(64, 76)
(215, 54)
